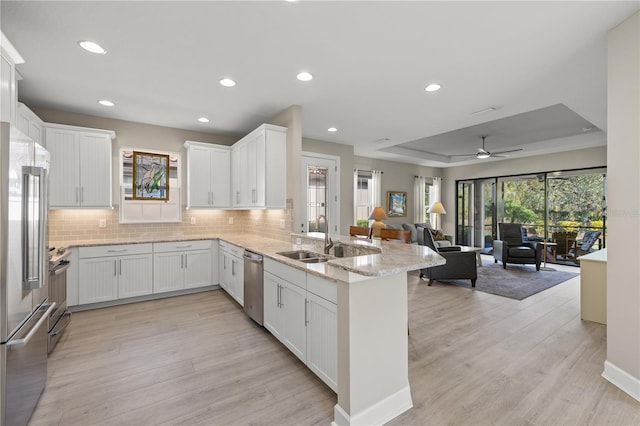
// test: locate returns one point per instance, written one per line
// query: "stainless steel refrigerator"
(24, 307)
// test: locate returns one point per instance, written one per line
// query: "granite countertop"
(392, 257)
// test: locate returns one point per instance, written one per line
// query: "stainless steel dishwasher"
(253, 286)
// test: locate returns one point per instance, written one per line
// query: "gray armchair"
(460, 265)
(512, 249)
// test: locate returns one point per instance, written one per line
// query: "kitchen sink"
(304, 256)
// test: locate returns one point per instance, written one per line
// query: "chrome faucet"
(328, 243)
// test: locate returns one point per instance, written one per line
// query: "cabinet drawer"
(286, 272)
(230, 248)
(181, 246)
(322, 287)
(114, 250)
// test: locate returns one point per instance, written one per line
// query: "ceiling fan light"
(483, 155)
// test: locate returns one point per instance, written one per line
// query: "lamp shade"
(378, 214)
(437, 207)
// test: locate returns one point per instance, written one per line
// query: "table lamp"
(437, 208)
(377, 215)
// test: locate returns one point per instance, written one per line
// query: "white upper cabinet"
(250, 174)
(9, 57)
(259, 169)
(30, 124)
(80, 171)
(208, 175)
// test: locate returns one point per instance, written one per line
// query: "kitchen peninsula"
(370, 288)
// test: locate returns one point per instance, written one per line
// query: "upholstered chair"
(460, 265)
(511, 248)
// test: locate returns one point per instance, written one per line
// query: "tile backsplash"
(79, 224)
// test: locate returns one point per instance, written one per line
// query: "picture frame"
(396, 203)
(150, 176)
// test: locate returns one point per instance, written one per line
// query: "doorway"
(320, 193)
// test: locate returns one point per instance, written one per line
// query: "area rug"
(516, 282)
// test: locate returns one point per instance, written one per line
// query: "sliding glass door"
(546, 204)
(577, 203)
(464, 219)
(521, 199)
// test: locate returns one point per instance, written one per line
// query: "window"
(363, 197)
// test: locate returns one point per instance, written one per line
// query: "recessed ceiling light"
(92, 47)
(332, 129)
(105, 102)
(227, 82)
(304, 76)
(203, 119)
(432, 87)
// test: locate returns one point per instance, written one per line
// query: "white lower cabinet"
(300, 310)
(181, 265)
(322, 339)
(295, 319)
(113, 272)
(231, 267)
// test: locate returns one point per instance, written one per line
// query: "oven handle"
(65, 319)
(19, 343)
(60, 269)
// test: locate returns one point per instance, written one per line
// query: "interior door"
(320, 194)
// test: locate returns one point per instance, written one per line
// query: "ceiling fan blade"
(507, 151)
(498, 156)
(463, 155)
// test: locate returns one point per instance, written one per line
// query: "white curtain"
(355, 196)
(419, 209)
(376, 189)
(434, 195)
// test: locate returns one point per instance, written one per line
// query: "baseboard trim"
(79, 308)
(621, 379)
(379, 413)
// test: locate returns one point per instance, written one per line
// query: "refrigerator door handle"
(19, 343)
(34, 227)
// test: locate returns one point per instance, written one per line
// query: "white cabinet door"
(208, 175)
(64, 171)
(224, 265)
(273, 314)
(220, 178)
(197, 268)
(322, 339)
(168, 274)
(250, 173)
(236, 284)
(293, 299)
(29, 123)
(259, 146)
(8, 95)
(199, 176)
(95, 170)
(98, 280)
(80, 171)
(135, 275)
(236, 173)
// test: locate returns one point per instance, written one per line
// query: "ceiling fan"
(482, 153)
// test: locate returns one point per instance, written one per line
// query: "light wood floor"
(474, 359)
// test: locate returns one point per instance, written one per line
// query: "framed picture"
(396, 203)
(150, 176)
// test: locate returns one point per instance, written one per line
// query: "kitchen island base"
(373, 365)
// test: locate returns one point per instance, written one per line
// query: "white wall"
(396, 177)
(591, 157)
(623, 269)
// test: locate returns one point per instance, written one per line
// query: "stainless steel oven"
(60, 317)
